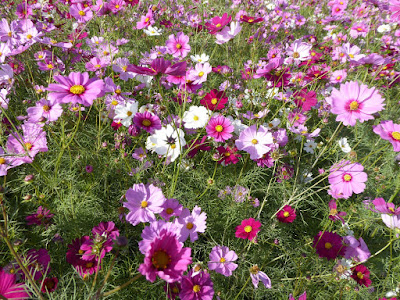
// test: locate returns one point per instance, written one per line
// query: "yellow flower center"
(49, 66)
(214, 101)
(160, 259)
(222, 260)
(189, 226)
(173, 146)
(118, 91)
(254, 141)
(219, 128)
(147, 19)
(286, 214)
(227, 154)
(296, 55)
(196, 288)
(196, 118)
(251, 21)
(114, 102)
(328, 245)
(347, 177)
(2, 160)
(144, 204)
(46, 107)
(360, 275)
(9, 33)
(29, 36)
(77, 89)
(218, 25)
(351, 55)
(97, 66)
(117, 6)
(339, 77)
(82, 13)
(28, 146)
(390, 208)
(254, 269)
(124, 68)
(396, 135)
(146, 122)
(178, 46)
(129, 113)
(248, 228)
(89, 265)
(201, 73)
(333, 212)
(169, 211)
(175, 290)
(354, 105)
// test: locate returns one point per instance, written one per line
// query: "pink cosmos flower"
(359, 29)
(74, 257)
(248, 229)
(395, 9)
(191, 223)
(160, 65)
(389, 213)
(257, 275)
(146, 20)
(107, 230)
(199, 74)
(389, 131)
(347, 178)
(151, 232)
(333, 212)
(218, 23)
(10, 289)
(305, 99)
(165, 258)
(6, 162)
(286, 215)
(45, 111)
(228, 33)
(196, 287)
(37, 263)
(255, 142)
(32, 141)
(328, 244)
(172, 207)
(178, 46)
(301, 297)
(221, 260)
(143, 202)
(49, 285)
(76, 88)
(80, 13)
(338, 76)
(220, 128)
(356, 249)
(354, 102)
(147, 121)
(41, 217)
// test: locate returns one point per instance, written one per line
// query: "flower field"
(199, 150)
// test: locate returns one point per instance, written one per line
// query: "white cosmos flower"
(384, 28)
(310, 146)
(200, 58)
(237, 125)
(167, 141)
(344, 145)
(125, 113)
(273, 124)
(152, 31)
(196, 117)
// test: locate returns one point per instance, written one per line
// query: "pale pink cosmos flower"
(178, 46)
(228, 33)
(354, 102)
(191, 223)
(257, 275)
(200, 72)
(356, 249)
(80, 13)
(389, 131)
(395, 10)
(347, 178)
(298, 52)
(255, 142)
(221, 260)
(45, 110)
(144, 201)
(338, 76)
(146, 20)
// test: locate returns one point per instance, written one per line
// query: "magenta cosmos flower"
(248, 229)
(347, 178)
(354, 102)
(220, 128)
(143, 202)
(255, 142)
(328, 244)
(218, 23)
(395, 9)
(198, 287)
(389, 131)
(9, 289)
(77, 88)
(178, 46)
(151, 232)
(221, 260)
(165, 258)
(286, 215)
(147, 121)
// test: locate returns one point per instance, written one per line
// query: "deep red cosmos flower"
(328, 244)
(361, 275)
(214, 100)
(286, 215)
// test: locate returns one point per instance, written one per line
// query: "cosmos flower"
(191, 223)
(221, 260)
(147, 121)
(389, 131)
(347, 178)
(178, 46)
(301, 297)
(354, 102)
(197, 287)
(172, 207)
(49, 285)
(257, 276)
(356, 249)
(165, 258)
(328, 244)
(220, 128)
(44, 110)
(76, 88)
(214, 100)
(334, 214)
(361, 275)
(248, 229)
(196, 117)
(80, 13)
(286, 215)
(125, 112)
(143, 202)
(41, 217)
(218, 23)
(9, 289)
